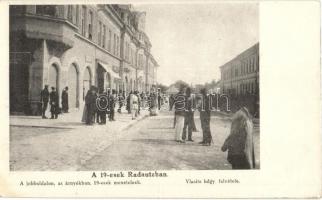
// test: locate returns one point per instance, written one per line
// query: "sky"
(191, 41)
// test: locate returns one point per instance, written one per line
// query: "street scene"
(134, 87)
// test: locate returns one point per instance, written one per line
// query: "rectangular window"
(118, 46)
(49, 10)
(77, 15)
(74, 14)
(90, 25)
(70, 13)
(84, 14)
(109, 40)
(104, 35)
(99, 37)
(114, 44)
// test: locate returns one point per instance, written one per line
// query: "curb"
(35, 126)
(134, 122)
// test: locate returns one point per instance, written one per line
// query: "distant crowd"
(100, 104)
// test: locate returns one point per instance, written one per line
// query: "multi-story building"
(240, 76)
(77, 46)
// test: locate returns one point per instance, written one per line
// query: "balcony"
(43, 22)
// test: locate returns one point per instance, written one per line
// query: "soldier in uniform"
(188, 116)
(44, 95)
(53, 103)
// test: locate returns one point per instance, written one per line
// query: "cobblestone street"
(145, 144)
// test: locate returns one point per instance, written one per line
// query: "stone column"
(36, 75)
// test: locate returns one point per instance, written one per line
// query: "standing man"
(179, 105)
(64, 100)
(112, 100)
(53, 103)
(159, 100)
(139, 101)
(44, 98)
(90, 102)
(101, 113)
(205, 118)
(188, 116)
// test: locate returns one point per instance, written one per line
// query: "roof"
(244, 54)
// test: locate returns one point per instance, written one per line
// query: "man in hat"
(53, 103)
(90, 102)
(64, 100)
(44, 95)
(103, 104)
(112, 100)
(205, 118)
(179, 106)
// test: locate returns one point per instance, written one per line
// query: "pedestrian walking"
(240, 143)
(159, 100)
(205, 112)
(153, 104)
(120, 102)
(139, 101)
(179, 105)
(53, 101)
(188, 116)
(171, 101)
(128, 102)
(44, 98)
(64, 100)
(134, 104)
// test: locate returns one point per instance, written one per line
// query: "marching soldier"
(44, 95)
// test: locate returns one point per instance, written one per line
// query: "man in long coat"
(54, 107)
(90, 102)
(44, 95)
(64, 100)
(205, 113)
(112, 102)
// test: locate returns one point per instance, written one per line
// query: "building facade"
(240, 76)
(77, 46)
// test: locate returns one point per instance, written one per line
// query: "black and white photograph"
(173, 99)
(134, 87)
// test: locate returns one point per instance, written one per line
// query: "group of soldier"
(184, 106)
(239, 142)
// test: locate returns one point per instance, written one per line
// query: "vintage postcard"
(174, 99)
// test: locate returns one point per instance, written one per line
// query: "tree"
(162, 87)
(180, 83)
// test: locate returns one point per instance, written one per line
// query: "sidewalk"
(72, 120)
(61, 144)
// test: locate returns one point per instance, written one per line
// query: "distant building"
(77, 46)
(240, 76)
